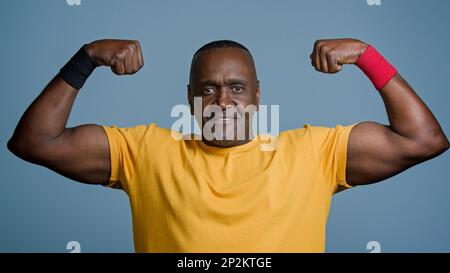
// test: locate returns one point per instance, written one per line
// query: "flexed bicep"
(80, 153)
(375, 153)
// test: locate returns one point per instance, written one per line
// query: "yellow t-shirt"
(269, 195)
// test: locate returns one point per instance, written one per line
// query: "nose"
(223, 98)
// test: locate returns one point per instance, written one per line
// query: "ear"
(257, 93)
(190, 97)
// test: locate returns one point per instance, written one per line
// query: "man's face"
(225, 78)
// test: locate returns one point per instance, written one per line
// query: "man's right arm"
(80, 153)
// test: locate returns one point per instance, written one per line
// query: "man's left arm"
(376, 151)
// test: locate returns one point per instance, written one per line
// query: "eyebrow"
(227, 82)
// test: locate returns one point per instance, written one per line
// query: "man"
(228, 195)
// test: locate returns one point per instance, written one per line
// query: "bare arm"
(80, 153)
(377, 151)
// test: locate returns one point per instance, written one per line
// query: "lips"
(224, 119)
(228, 117)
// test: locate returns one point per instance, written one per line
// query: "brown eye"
(208, 91)
(237, 89)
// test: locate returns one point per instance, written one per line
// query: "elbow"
(441, 144)
(31, 151)
(435, 146)
(15, 146)
(445, 145)
(20, 149)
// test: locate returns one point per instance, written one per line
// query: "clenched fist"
(123, 56)
(328, 56)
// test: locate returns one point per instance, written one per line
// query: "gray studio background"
(42, 211)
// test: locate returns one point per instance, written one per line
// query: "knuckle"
(131, 46)
(124, 51)
(330, 55)
(118, 56)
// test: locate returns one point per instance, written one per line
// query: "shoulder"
(141, 129)
(316, 134)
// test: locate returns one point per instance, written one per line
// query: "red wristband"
(377, 69)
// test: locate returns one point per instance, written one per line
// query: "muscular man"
(229, 195)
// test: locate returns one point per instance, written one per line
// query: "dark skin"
(224, 77)
(80, 153)
(375, 151)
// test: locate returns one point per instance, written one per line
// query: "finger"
(136, 65)
(313, 55)
(323, 60)
(331, 63)
(317, 60)
(119, 67)
(338, 64)
(128, 62)
(140, 57)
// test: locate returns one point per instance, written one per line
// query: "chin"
(225, 143)
(228, 137)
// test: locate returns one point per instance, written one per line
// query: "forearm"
(80, 153)
(410, 117)
(408, 114)
(375, 151)
(47, 116)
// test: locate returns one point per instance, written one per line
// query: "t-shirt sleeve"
(331, 144)
(124, 145)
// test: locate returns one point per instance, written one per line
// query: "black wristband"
(78, 68)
